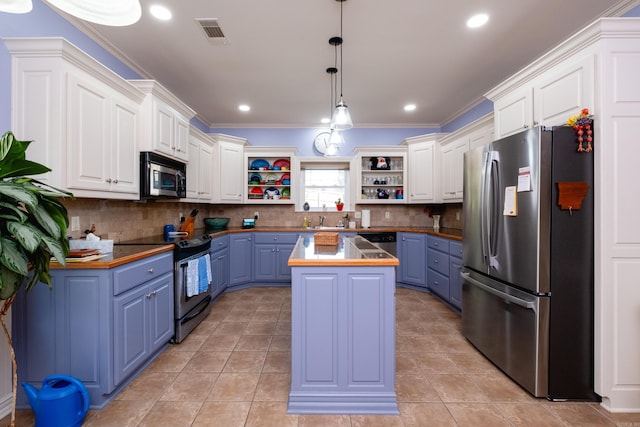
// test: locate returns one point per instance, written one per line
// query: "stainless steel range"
(192, 277)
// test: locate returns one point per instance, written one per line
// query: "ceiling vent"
(212, 30)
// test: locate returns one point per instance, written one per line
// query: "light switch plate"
(75, 223)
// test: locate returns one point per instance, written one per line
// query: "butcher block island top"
(350, 251)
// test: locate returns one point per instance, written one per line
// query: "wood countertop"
(449, 233)
(120, 255)
(123, 254)
(350, 251)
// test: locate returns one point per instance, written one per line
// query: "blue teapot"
(63, 401)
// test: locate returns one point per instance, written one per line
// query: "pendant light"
(341, 119)
(114, 13)
(16, 6)
(335, 137)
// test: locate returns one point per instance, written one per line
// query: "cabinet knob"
(150, 270)
(535, 123)
(526, 126)
(109, 180)
(148, 296)
(273, 250)
(115, 181)
(220, 258)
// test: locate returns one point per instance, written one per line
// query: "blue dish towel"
(204, 273)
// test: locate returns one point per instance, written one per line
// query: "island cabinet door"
(343, 332)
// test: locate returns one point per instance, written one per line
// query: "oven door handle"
(197, 310)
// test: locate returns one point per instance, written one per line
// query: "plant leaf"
(22, 167)
(57, 250)
(28, 235)
(18, 193)
(19, 216)
(12, 257)
(47, 222)
(9, 282)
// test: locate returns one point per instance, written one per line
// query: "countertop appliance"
(386, 240)
(527, 293)
(161, 177)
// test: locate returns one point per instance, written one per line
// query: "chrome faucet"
(321, 220)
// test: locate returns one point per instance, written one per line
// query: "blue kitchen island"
(343, 328)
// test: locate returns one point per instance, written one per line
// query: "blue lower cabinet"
(455, 268)
(98, 325)
(444, 265)
(219, 265)
(240, 258)
(271, 256)
(412, 255)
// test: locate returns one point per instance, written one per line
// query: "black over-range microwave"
(161, 177)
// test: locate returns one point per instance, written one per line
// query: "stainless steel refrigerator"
(527, 293)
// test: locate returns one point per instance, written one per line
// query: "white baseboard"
(5, 405)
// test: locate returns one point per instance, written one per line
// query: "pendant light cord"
(341, 64)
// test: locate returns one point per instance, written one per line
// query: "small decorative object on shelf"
(339, 204)
(581, 123)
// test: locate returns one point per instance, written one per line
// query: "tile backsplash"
(124, 220)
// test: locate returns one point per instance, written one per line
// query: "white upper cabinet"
(83, 119)
(452, 168)
(229, 169)
(165, 121)
(423, 173)
(453, 146)
(200, 167)
(548, 99)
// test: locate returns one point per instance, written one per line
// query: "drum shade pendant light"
(341, 119)
(16, 6)
(114, 13)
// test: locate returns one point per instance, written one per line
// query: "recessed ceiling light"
(410, 107)
(325, 120)
(244, 107)
(477, 20)
(160, 12)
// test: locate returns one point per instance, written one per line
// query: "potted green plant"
(339, 204)
(33, 229)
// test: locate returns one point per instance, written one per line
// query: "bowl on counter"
(216, 224)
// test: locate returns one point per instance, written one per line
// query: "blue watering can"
(63, 401)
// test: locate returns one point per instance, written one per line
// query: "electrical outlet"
(358, 214)
(457, 215)
(256, 214)
(75, 223)
(387, 215)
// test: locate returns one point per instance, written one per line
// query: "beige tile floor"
(234, 370)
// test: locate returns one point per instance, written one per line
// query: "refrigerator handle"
(510, 298)
(484, 207)
(490, 210)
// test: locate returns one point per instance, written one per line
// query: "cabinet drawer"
(218, 243)
(455, 249)
(438, 261)
(290, 238)
(131, 275)
(438, 243)
(438, 283)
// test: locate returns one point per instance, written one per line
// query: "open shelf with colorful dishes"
(269, 180)
(382, 180)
